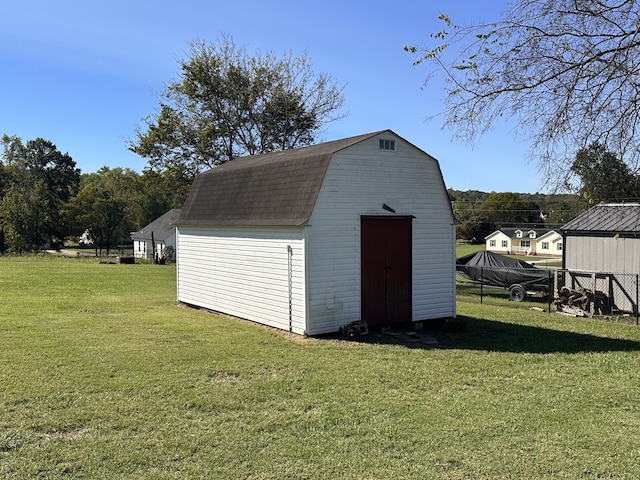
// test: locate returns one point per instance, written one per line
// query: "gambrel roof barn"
(312, 239)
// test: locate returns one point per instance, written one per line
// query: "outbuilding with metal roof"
(605, 238)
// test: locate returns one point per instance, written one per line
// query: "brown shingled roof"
(272, 189)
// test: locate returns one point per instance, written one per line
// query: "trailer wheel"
(517, 293)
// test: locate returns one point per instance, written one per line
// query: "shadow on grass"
(487, 335)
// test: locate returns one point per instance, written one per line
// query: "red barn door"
(386, 270)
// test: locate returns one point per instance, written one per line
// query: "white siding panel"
(245, 273)
(359, 180)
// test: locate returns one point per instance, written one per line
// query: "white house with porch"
(525, 241)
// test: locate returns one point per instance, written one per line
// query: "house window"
(559, 246)
(386, 144)
(492, 243)
(505, 244)
(525, 243)
(545, 245)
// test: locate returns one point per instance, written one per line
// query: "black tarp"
(501, 271)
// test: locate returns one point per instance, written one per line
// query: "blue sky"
(83, 74)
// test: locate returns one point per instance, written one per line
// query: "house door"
(385, 270)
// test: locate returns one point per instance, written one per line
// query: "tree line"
(481, 213)
(45, 199)
(598, 176)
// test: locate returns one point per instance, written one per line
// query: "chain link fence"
(613, 296)
(596, 293)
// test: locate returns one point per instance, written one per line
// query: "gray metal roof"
(272, 189)
(619, 218)
(162, 227)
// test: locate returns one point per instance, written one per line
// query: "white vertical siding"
(244, 272)
(359, 180)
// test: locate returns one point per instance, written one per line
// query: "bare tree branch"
(566, 72)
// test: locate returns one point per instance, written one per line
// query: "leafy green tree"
(227, 103)
(123, 184)
(160, 192)
(560, 209)
(96, 211)
(38, 171)
(475, 228)
(604, 177)
(107, 207)
(509, 209)
(24, 214)
(565, 72)
(42, 160)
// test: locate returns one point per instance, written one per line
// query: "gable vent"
(386, 144)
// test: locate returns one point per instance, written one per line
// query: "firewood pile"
(581, 302)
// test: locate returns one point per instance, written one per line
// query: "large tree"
(106, 207)
(510, 209)
(604, 177)
(161, 191)
(475, 228)
(227, 103)
(24, 215)
(567, 72)
(38, 181)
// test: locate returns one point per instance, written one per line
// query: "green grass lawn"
(105, 376)
(465, 248)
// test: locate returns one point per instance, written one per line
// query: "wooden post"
(593, 295)
(637, 295)
(153, 248)
(550, 288)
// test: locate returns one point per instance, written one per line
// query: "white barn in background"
(312, 239)
(155, 237)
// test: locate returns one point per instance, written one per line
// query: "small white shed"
(156, 236)
(312, 239)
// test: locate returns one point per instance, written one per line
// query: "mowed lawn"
(103, 375)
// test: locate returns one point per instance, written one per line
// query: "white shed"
(312, 239)
(155, 237)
